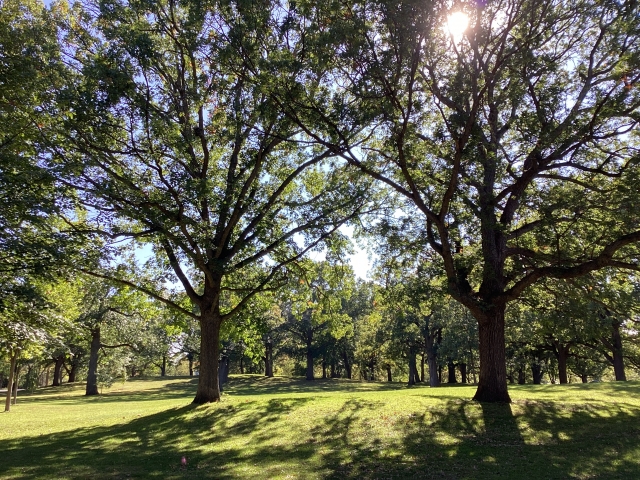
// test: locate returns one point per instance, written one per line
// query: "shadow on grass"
(356, 439)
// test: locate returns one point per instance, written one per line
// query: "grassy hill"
(292, 429)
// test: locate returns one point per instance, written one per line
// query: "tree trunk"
(422, 367)
(190, 358)
(73, 372)
(584, 378)
(92, 374)
(413, 368)
(492, 386)
(389, 378)
(324, 369)
(268, 359)
(223, 372)
(452, 372)
(521, 376)
(333, 370)
(163, 367)
(46, 378)
(562, 354)
(432, 361)
(208, 385)
(536, 372)
(12, 372)
(347, 364)
(309, 360)
(463, 372)
(618, 359)
(57, 371)
(15, 384)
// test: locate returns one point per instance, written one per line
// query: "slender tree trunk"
(333, 370)
(223, 372)
(463, 372)
(242, 364)
(562, 355)
(422, 367)
(12, 372)
(324, 369)
(521, 376)
(268, 359)
(309, 360)
(452, 372)
(190, 358)
(492, 386)
(92, 374)
(163, 367)
(208, 384)
(15, 385)
(389, 378)
(618, 358)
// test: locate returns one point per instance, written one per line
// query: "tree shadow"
(352, 438)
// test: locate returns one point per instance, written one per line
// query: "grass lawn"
(289, 428)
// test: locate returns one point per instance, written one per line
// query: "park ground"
(285, 428)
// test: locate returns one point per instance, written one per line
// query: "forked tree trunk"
(12, 372)
(208, 386)
(92, 374)
(492, 385)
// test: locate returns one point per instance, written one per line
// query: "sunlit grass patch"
(290, 428)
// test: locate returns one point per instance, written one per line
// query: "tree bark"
(92, 374)
(536, 372)
(452, 372)
(163, 367)
(57, 371)
(347, 364)
(268, 358)
(521, 376)
(463, 372)
(15, 384)
(432, 361)
(12, 372)
(562, 353)
(492, 385)
(73, 372)
(584, 378)
(208, 385)
(324, 368)
(618, 358)
(413, 368)
(389, 378)
(190, 358)
(422, 367)
(333, 373)
(309, 359)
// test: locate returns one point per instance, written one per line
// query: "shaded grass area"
(289, 428)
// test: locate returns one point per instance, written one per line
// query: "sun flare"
(457, 23)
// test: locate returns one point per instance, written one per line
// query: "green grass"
(288, 428)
